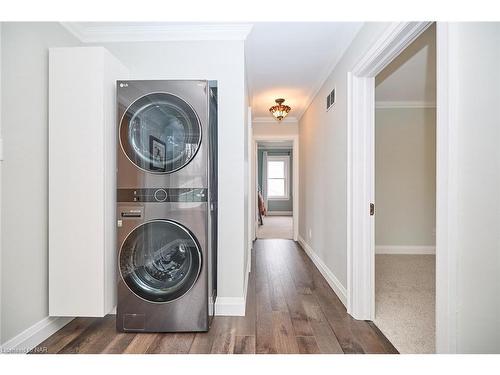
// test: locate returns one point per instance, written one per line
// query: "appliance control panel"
(161, 195)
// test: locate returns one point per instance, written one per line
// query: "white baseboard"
(230, 306)
(234, 306)
(249, 263)
(417, 250)
(279, 213)
(34, 335)
(334, 283)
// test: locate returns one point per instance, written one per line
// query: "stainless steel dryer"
(166, 205)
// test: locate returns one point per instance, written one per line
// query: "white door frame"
(1, 159)
(295, 177)
(360, 177)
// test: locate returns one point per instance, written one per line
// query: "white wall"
(1, 158)
(24, 70)
(323, 163)
(411, 76)
(405, 176)
(222, 61)
(476, 108)
(272, 127)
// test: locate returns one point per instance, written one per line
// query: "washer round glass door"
(160, 261)
(160, 133)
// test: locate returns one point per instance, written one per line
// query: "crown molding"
(270, 120)
(109, 33)
(404, 104)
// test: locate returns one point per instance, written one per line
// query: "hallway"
(290, 309)
(275, 227)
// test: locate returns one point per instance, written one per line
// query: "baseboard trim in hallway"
(334, 283)
(409, 250)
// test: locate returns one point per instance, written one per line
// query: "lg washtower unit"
(166, 205)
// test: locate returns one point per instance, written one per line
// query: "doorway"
(361, 184)
(275, 189)
(405, 197)
(275, 185)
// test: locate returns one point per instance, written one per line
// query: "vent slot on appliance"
(330, 99)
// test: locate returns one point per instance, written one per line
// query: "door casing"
(361, 178)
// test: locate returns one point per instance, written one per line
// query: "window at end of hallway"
(278, 177)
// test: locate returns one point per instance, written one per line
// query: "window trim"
(286, 160)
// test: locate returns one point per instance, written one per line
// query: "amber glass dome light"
(279, 110)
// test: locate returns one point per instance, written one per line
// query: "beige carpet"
(405, 290)
(276, 227)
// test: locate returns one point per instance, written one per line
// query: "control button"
(160, 195)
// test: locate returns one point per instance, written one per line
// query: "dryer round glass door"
(160, 133)
(160, 261)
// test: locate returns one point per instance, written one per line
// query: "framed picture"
(157, 150)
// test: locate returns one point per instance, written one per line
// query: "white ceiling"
(283, 59)
(411, 77)
(291, 60)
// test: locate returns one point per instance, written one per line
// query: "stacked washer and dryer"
(166, 205)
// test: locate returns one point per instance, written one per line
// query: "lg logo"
(123, 84)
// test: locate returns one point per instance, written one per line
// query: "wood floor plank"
(244, 345)
(166, 343)
(290, 308)
(296, 310)
(339, 323)
(119, 343)
(265, 341)
(299, 265)
(307, 345)
(345, 328)
(202, 344)
(323, 333)
(283, 333)
(94, 338)
(224, 335)
(328, 344)
(63, 337)
(389, 348)
(276, 292)
(141, 343)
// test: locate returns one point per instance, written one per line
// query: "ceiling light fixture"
(279, 111)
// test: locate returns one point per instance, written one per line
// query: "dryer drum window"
(160, 261)
(160, 133)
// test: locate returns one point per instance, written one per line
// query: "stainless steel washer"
(166, 205)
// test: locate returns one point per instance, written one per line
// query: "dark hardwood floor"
(290, 309)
